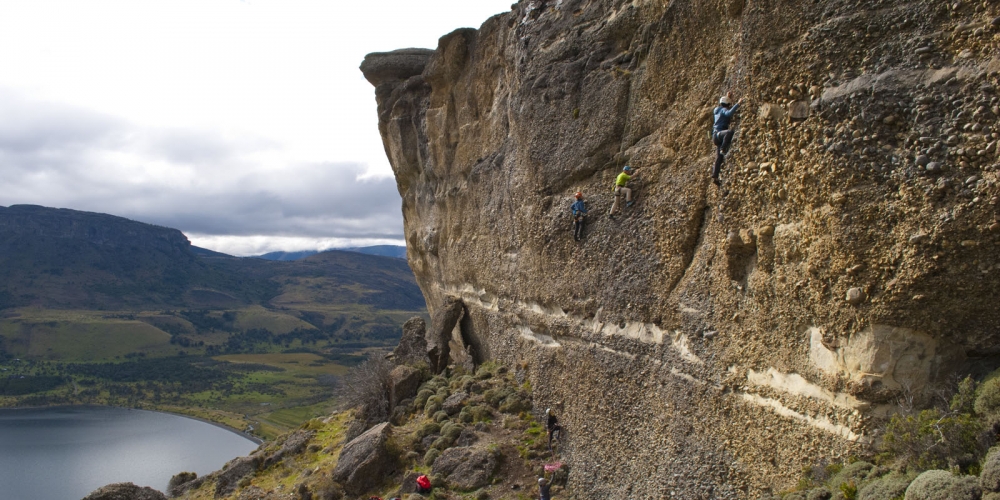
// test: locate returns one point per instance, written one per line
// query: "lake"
(65, 453)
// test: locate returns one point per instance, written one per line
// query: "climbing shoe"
(628, 204)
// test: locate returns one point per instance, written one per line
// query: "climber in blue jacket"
(722, 135)
(579, 210)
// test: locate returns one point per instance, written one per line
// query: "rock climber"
(544, 489)
(552, 424)
(579, 210)
(621, 186)
(722, 135)
(423, 484)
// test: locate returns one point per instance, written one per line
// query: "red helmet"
(578, 195)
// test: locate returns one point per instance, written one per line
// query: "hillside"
(98, 309)
(710, 342)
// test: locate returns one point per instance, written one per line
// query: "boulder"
(454, 403)
(465, 468)
(235, 470)
(364, 461)
(446, 318)
(383, 67)
(403, 383)
(943, 485)
(180, 483)
(412, 347)
(294, 444)
(409, 484)
(125, 491)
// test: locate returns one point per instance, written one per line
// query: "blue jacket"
(723, 116)
(578, 207)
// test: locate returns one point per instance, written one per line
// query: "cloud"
(204, 182)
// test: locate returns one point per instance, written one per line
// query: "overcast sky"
(245, 124)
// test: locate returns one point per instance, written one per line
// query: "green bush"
(943, 485)
(451, 430)
(440, 416)
(932, 440)
(496, 396)
(851, 474)
(422, 398)
(431, 456)
(989, 478)
(885, 488)
(434, 404)
(516, 403)
(461, 382)
(428, 428)
(849, 490)
(987, 402)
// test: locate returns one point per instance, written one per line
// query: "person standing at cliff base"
(579, 210)
(722, 135)
(544, 489)
(621, 187)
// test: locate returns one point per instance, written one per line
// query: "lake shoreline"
(250, 437)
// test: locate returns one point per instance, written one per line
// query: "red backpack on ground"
(424, 482)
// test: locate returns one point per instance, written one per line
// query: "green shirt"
(622, 179)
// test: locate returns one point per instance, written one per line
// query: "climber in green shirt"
(621, 186)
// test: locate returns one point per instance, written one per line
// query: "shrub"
(849, 490)
(451, 430)
(431, 456)
(496, 396)
(366, 388)
(987, 402)
(440, 416)
(989, 478)
(434, 404)
(851, 474)
(932, 440)
(427, 429)
(885, 488)
(461, 382)
(422, 397)
(516, 403)
(943, 485)
(819, 494)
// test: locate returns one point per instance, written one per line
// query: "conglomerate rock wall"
(709, 342)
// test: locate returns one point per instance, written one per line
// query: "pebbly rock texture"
(364, 460)
(720, 338)
(125, 491)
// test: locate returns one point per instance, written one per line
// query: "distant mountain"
(286, 256)
(395, 251)
(67, 259)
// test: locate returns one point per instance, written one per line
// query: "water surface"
(65, 453)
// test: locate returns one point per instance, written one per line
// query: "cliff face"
(710, 341)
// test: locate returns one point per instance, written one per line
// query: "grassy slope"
(514, 435)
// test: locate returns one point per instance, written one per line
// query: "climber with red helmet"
(579, 210)
(722, 135)
(621, 187)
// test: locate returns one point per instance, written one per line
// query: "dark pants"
(578, 227)
(554, 433)
(722, 139)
